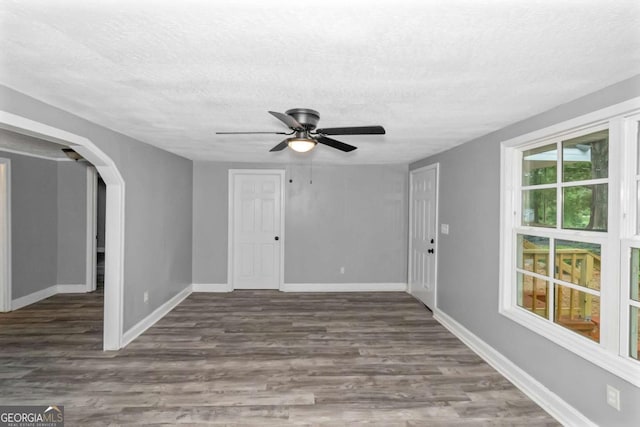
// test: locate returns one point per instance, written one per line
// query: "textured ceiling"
(434, 73)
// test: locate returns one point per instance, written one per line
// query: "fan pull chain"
(311, 171)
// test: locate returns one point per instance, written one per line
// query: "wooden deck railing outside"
(571, 265)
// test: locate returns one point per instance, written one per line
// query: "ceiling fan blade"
(335, 144)
(280, 146)
(287, 120)
(353, 130)
(253, 133)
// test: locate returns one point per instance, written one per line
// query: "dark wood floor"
(257, 358)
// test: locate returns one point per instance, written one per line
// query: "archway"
(114, 218)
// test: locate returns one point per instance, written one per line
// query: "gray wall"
(72, 222)
(469, 203)
(34, 224)
(158, 206)
(48, 224)
(351, 216)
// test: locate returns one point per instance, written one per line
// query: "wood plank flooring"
(257, 358)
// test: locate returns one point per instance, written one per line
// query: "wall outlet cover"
(613, 397)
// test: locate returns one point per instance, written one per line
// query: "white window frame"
(612, 352)
(630, 225)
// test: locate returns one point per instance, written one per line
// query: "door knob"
(277, 238)
(430, 251)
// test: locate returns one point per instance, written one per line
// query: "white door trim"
(412, 173)
(5, 235)
(92, 228)
(232, 175)
(114, 219)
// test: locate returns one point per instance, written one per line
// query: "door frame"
(114, 217)
(230, 251)
(412, 173)
(5, 235)
(92, 228)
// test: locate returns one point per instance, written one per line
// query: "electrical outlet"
(613, 397)
(146, 296)
(341, 270)
(444, 228)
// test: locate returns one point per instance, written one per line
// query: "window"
(631, 247)
(564, 187)
(570, 255)
(634, 315)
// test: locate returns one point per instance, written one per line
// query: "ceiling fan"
(302, 123)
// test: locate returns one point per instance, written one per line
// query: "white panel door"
(256, 227)
(423, 234)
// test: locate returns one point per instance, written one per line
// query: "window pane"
(586, 157)
(578, 263)
(585, 207)
(638, 149)
(540, 165)
(578, 311)
(634, 341)
(638, 210)
(539, 207)
(635, 274)
(533, 254)
(532, 294)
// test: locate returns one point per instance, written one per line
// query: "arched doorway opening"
(114, 216)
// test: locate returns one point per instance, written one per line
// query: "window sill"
(625, 368)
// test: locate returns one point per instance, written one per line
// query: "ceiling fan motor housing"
(305, 116)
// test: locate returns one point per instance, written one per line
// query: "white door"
(256, 225)
(423, 234)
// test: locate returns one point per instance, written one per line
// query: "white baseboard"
(72, 289)
(32, 298)
(344, 287)
(211, 287)
(135, 331)
(559, 409)
(312, 287)
(26, 300)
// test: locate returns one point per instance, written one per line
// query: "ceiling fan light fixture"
(301, 122)
(301, 145)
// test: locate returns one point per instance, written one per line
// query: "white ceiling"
(435, 74)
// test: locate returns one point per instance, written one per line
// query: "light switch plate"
(444, 228)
